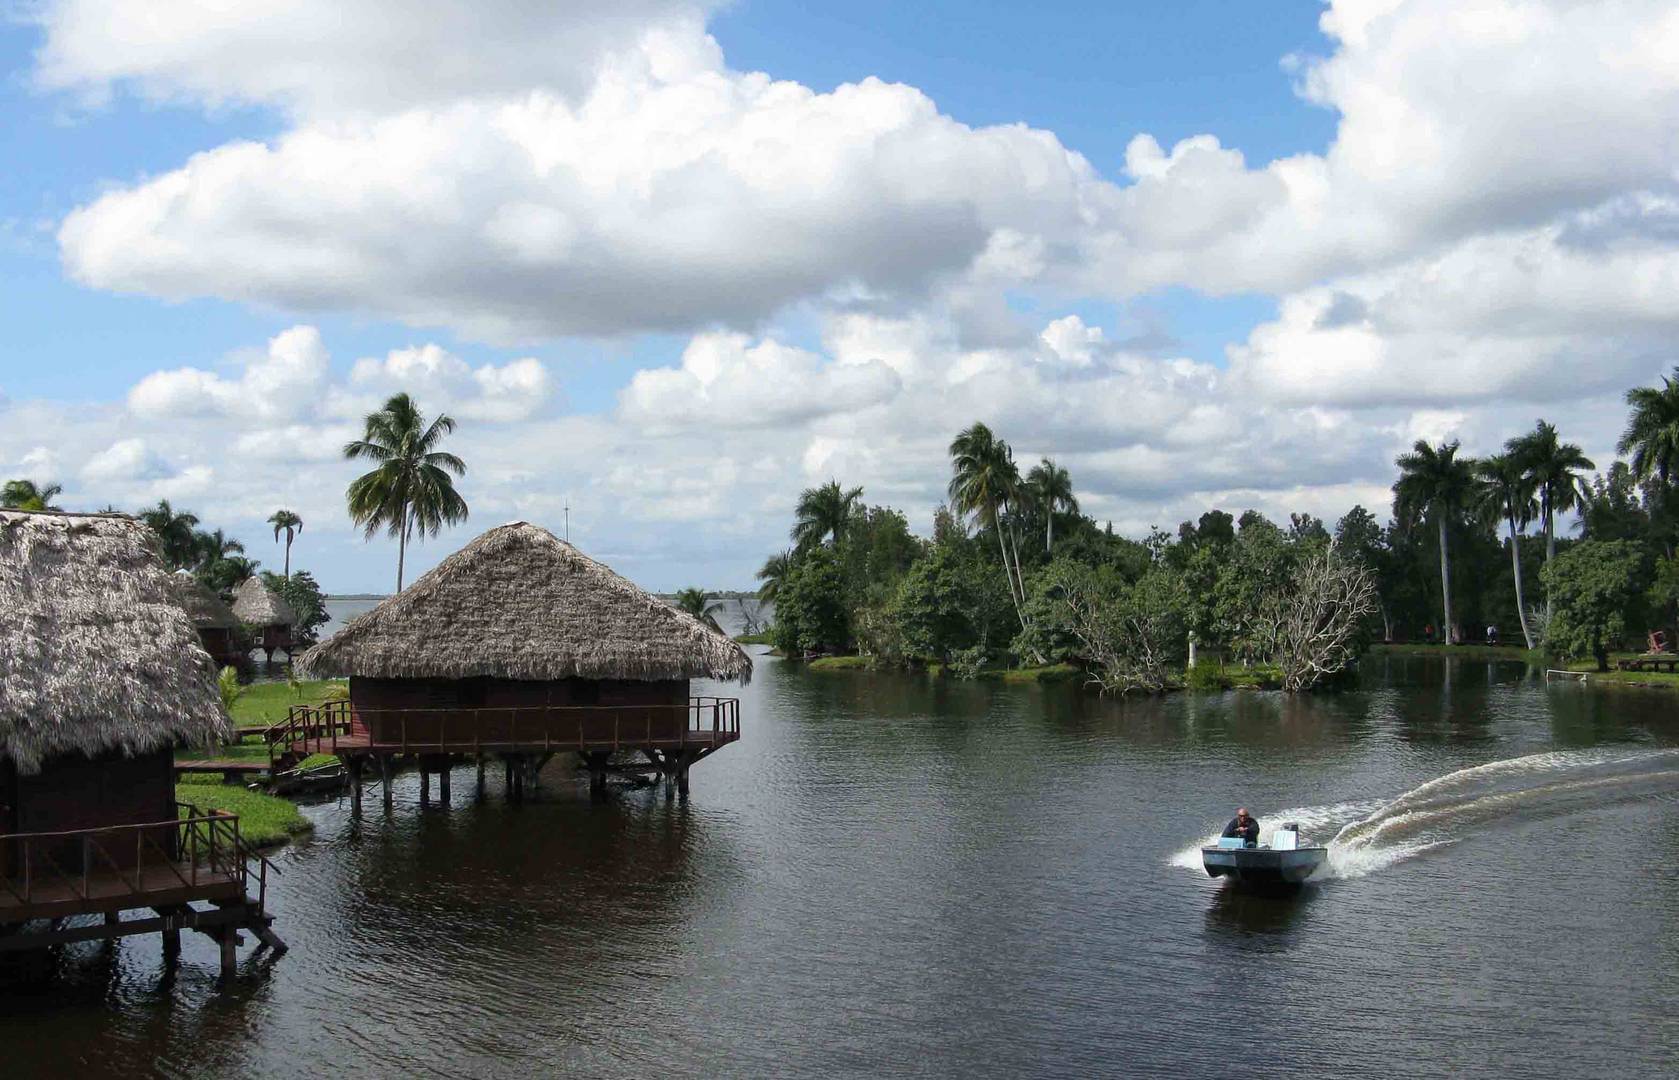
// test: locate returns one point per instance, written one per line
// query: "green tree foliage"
(823, 515)
(1552, 468)
(697, 602)
(411, 490)
(28, 495)
(303, 595)
(984, 485)
(811, 611)
(1652, 431)
(1598, 587)
(1049, 489)
(177, 541)
(950, 601)
(1502, 493)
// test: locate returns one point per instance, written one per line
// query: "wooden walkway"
(1650, 662)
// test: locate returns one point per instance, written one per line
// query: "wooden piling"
(385, 777)
(443, 783)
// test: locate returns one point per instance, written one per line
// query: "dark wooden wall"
(76, 792)
(417, 709)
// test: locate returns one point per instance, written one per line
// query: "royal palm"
(1553, 471)
(1434, 482)
(1050, 487)
(823, 514)
(410, 492)
(284, 521)
(1501, 492)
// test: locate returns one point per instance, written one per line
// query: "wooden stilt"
(682, 775)
(425, 785)
(230, 952)
(354, 767)
(480, 776)
(112, 918)
(385, 779)
(443, 784)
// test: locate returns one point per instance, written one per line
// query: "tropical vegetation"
(410, 492)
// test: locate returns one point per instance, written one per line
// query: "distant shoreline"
(357, 596)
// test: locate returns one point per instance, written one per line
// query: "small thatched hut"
(218, 627)
(521, 641)
(101, 676)
(261, 608)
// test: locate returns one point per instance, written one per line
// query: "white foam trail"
(1373, 835)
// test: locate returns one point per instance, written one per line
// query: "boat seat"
(1230, 842)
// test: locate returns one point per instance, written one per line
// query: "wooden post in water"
(480, 776)
(385, 777)
(443, 783)
(354, 767)
(425, 785)
(230, 952)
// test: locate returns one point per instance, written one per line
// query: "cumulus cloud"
(277, 383)
(516, 390)
(126, 459)
(727, 381)
(319, 55)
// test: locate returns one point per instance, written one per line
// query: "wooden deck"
(161, 868)
(1650, 662)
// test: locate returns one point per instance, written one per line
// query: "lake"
(891, 875)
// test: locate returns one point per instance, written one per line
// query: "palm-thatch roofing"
(206, 610)
(519, 603)
(257, 605)
(96, 654)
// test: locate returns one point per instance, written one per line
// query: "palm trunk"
(401, 547)
(1049, 532)
(288, 558)
(1445, 584)
(1550, 552)
(1516, 564)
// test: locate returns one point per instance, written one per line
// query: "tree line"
(1014, 574)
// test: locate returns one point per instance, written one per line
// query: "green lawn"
(267, 702)
(264, 820)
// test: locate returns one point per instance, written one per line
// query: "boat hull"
(1264, 867)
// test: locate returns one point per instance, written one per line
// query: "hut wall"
(515, 710)
(75, 792)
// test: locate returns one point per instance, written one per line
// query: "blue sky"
(670, 295)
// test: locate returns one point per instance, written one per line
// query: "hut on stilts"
(519, 647)
(101, 677)
(262, 609)
(217, 625)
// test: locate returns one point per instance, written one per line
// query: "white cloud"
(517, 390)
(727, 381)
(317, 56)
(126, 459)
(277, 383)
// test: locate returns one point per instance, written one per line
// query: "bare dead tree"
(1130, 638)
(1315, 622)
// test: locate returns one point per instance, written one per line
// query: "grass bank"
(755, 639)
(267, 702)
(264, 820)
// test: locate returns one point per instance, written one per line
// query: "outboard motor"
(1286, 837)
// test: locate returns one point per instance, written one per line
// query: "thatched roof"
(206, 610)
(258, 605)
(519, 603)
(96, 654)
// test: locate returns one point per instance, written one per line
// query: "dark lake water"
(894, 876)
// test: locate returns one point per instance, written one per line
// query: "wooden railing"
(112, 863)
(326, 728)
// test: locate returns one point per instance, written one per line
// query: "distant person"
(1492, 634)
(1244, 826)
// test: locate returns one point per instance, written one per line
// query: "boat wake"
(1371, 835)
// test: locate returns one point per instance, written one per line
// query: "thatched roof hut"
(257, 605)
(96, 654)
(206, 610)
(519, 603)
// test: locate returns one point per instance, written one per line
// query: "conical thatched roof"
(519, 603)
(96, 654)
(257, 605)
(206, 610)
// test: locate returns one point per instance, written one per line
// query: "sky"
(669, 262)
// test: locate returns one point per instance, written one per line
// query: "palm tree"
(1050, 487)
(1502, 492)
(289, 523)
(772, 574)
(983, 484)
(410, 491)
(696, 603)
(176, 539)
(823, 512)
(28, 495)
(1553, 474)
(1652, 433)
(1435, 482)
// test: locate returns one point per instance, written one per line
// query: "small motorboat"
(1283, 864)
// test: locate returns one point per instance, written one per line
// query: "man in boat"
(1244, 826)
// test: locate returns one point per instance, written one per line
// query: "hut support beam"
(443, 783)
(385, 778)
(354, 766)
(425, 785)
(480, 776)
(595, 761)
